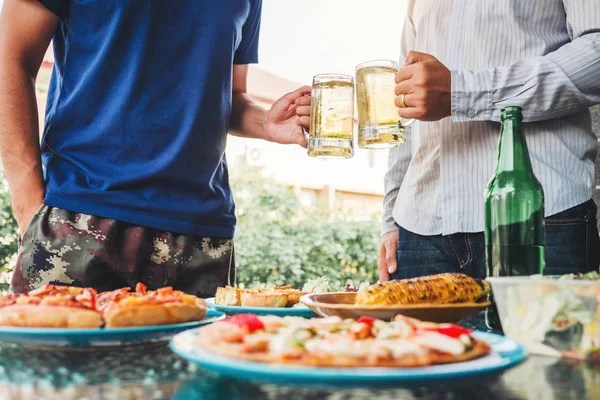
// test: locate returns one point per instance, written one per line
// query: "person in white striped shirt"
(465, 61)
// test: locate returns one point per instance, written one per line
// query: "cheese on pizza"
(163, 306)
(331, 341)
(53, 306)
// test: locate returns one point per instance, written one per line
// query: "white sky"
(300, 39)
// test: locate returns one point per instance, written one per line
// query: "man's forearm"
(560, 83)
(19, 137)
(247, 118)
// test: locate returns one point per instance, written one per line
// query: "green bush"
(280, 242)
(9, 237)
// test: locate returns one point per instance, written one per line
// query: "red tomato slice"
(367, 320)
(453, 331)
(141, 288)
(249, 321)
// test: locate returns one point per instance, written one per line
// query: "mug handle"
(405, 123)
(304, 130)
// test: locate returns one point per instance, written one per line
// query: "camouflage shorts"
(65, 247)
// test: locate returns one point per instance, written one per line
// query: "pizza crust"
(152, 314)
(44, 316)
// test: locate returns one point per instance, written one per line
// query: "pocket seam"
(461, 262)
(587, 238)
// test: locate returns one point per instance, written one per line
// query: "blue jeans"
(572, 245)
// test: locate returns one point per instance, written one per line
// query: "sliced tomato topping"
(8, 300)
(141, 288)
(250, 322)
(143, 296)
(453, 331)
(54, 295)
(167, 291)
(367, 320)
(93, 302)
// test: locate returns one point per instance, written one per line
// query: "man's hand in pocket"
(24, 215)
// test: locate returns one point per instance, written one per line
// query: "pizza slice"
(123, 308)
(332, 342)
(51, 306)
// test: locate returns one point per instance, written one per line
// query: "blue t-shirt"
(138, 109)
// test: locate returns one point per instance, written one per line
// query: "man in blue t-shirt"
(130, 184)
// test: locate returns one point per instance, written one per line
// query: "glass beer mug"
(379, 125)
(331, 117)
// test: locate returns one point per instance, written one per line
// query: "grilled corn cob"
(436, 289)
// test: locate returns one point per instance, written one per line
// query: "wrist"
(389, 233)
(388, 225)
(24, 206)
(267, 128)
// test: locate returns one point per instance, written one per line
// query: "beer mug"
(379, 125)
(331, 117)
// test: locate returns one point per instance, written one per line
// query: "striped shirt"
(541, 55)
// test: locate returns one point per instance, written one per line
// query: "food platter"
(505, 353)
(95, 338)
(299, 311)
(341, 304)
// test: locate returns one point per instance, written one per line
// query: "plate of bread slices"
(281, 300)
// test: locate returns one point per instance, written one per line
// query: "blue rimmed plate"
(93, 338)
(299, 311)
(505, 353)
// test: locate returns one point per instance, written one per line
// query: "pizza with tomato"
(333, 342)
(53, 306)
(143, 307)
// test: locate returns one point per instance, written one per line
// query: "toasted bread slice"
(264, 299)
(293, 296)
(228, 296)
(285, 287)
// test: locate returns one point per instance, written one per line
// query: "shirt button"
(471, 113)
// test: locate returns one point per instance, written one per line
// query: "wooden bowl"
(341, 304)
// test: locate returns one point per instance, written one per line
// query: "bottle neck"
(512, 153)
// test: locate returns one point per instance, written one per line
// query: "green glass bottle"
(514, 210)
